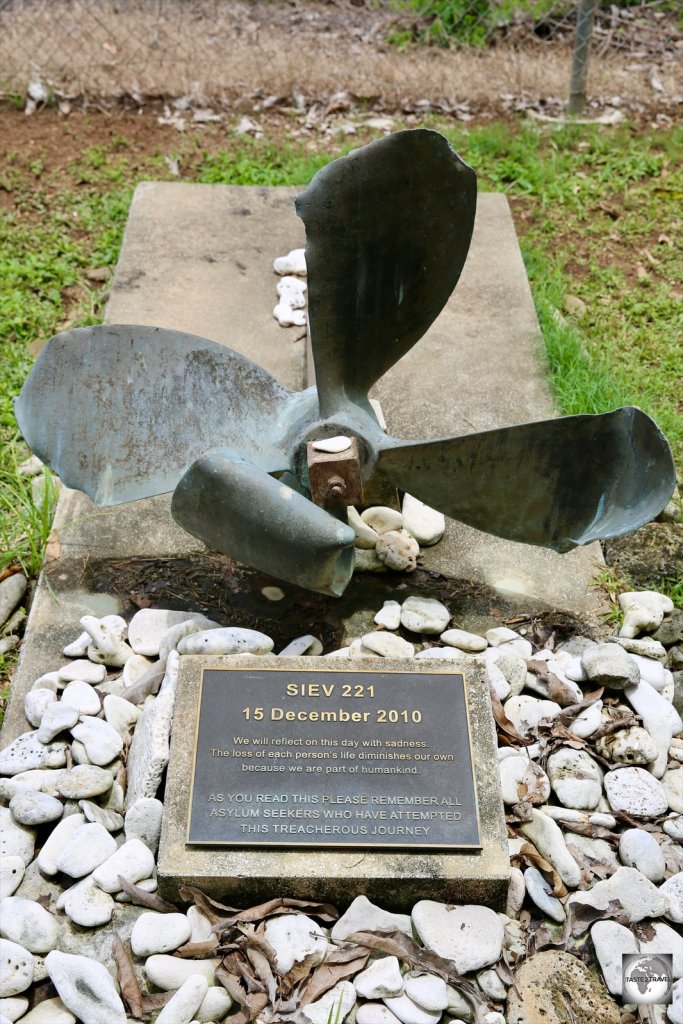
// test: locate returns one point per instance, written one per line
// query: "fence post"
(582, 41)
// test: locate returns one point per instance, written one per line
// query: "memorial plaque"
(329, 757)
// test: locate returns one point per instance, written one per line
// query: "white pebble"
(387, 645)
(86, 987)
(102, 743)
(88, 847)
(389, 615)
(611, 941)
(463, 640)
(159, 933)
(56, 841)
(295, 937)
(33, 808)
(672, 890)
(425, 524)
(471, 936)
(303, 645)
(397, 550)
(86, 904)
(639, 849)
(28, 924)
(12, 870)
(58, 718)
(366, 537)
(576, 778)
(17, 967)
(424, 615)
(107, 645)
(382, 519)
(227, 640)
(81, 696)
(133, 861)
(143, 821)
(382, 978)
(428, 991)
(293, 263)
(36, 702)
(86, 671)
(547, 837)
(635, 791)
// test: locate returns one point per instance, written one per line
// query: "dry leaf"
(533, 858)
(196, 950)
(503, 722)
(336, 968)
(53, 548)
(155, 1001)
(128, 983)
(151, 900)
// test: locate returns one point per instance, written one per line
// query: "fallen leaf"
(128, 982)
(151, 900)
(192, 950)
(338, 966)
(53, 548)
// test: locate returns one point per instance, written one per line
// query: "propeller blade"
(558, 483)
(388, 229)
(234, 507)
(120, 412)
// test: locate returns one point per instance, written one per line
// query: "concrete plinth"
(394, 878)
(199, 258)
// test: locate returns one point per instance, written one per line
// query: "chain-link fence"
(221, 49)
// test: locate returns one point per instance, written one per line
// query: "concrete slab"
(394, 878)
(199, 258)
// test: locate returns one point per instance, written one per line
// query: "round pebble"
(89, 846)
(636, 792)
(576, 778)
(17, 967)
(424, 615)
(159, 933)
(34, 808)
(639, 849)
(398, 550)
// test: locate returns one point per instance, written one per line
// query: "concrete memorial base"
(395, 877)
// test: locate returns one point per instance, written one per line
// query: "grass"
(598, 210)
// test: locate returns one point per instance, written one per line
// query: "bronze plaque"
(285, 757)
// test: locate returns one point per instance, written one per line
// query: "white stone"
(672, 781)
(636, 792)
(11, 873)
(424, 615)
(227, 640)
(387, 645)
(672, 889)
(375, 1013)
(389, 615)
(639, 618)
(397, 550)
(382, 978)
(81, 696)
(409, 1012)
(628, 746)
(293, 263)
(639, 898)
(200, 925)
(497, 681)
(333, 445)
(652, 672)
(33, 808)
(334, 1005)
(303, 645)
(292, 292)
(86, 987)
(289, 317)
(214, 1006)
(56, 841)
(610, 665)
(159, 933)
(58, 718)
(294, 937)
(195, 623)
(149, 750)
(646, 599)
(440, 654)
(382, 519)
(675, 1010)
(107, 646)
(425, 524)
(660, 718)
(501, 636)
(148, 626)
(36, 702)
(516, 893)
(78, 648)
(363, 915)
(89, 846)
(588, 722)
(664, 940)
(576, 778)
(86, 904)
(17, 968)
(84, 670)
(143, 821)
(133, 861)
(547, 837)
(15, 840)
(27, 753)
(522, 779)
(639, 849)
(84, 782)
(28, 924)
(14, 1007)
(526, 713)
(541, 893)
(471, 935)
(647, 647)
(463, 640)
(169, 972)
(368, 561)
(48, 681)
(611, 941)
(49, 1011)
(120, 714)
(428, 991)
(366, 537)
(102, 742)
